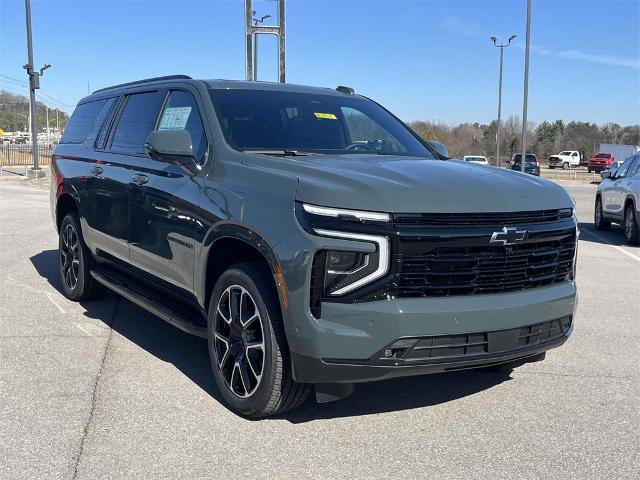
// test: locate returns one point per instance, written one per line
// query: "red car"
(600, 162)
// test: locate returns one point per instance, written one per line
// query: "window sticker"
(326, 116)
(175, 118)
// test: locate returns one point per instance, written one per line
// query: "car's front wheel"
(75, 262)
(247, 346)
(565, 166)
(600, 222)
(631, 228)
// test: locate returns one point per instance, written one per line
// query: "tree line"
(544, 139)
(14, 114)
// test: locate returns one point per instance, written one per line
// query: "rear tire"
(600, 222)
(631, 228)
(248, 349)
(75, 262)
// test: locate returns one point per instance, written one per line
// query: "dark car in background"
(532, 166)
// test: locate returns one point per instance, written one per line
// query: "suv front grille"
(445, 271)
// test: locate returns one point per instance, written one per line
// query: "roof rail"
(146, 80)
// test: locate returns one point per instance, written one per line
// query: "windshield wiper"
(284, 152)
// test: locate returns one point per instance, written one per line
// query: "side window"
(82, 121)
(634, 167)
(625, 168)
(136, 122)
(181, 113)
(103, 120)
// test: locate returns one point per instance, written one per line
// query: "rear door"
(164, 198)
(118, 146)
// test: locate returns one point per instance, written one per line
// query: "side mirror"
(171, 146)
(606, 174)
(441, 148)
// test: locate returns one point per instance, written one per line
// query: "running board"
(146, 299)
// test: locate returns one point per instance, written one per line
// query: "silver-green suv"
(309, 235)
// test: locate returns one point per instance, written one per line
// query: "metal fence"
(20, 154)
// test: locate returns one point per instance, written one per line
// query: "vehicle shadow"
(613, 236)
(189, 354)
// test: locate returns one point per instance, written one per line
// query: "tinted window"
(625, 168)
(82, 122)
(181, 113)
(634, 167)
(530, 157)
(281, 120)
(137, 121)
(103, 120)
(603, 155)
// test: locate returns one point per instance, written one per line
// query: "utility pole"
(34, 84)
(57, 123)
(251, 34)
(48, 131)
(501, 47)
(523, 160)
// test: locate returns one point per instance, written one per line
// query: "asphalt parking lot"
(103, 389)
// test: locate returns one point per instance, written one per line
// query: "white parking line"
(52, 300)
(606, 241)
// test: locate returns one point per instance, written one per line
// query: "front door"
(164, 200)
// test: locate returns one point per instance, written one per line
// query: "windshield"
(279, 121)
(475, 159)
(603, 155)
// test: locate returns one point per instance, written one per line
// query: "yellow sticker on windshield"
(326, 116)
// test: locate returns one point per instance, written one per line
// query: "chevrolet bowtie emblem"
(508, 236)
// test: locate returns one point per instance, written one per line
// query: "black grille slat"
(474, 219)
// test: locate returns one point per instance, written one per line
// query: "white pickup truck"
(566, 159)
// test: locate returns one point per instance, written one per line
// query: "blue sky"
(423, 59)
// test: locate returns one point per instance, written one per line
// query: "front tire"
(75, 262)
(565, 166)
(600, 222)
(248, 349)
(631, 229)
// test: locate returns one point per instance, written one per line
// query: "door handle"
(95, 170)
(138, 179)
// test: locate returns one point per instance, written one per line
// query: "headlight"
(345, 271)
(346, 214)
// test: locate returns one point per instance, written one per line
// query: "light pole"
(526, 89)
(34, 84)
(501, 47)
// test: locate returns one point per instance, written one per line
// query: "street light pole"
(256, 22)
(34, 84)
(501, 47)
(526, 89)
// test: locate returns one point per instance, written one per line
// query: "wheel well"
(65, 204)
(629, 201)
(229, 251)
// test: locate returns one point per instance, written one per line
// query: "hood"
(413, 185)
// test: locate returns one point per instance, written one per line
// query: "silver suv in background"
(618, 199)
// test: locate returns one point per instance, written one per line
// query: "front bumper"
(346, 345)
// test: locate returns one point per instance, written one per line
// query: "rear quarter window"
(82, 121)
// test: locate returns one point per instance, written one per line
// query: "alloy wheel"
(70, 256)
(239, 341)
(629, 224)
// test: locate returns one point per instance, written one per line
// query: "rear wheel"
(247, 346)
(600, 222)
(631, 229)
(75, 262)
